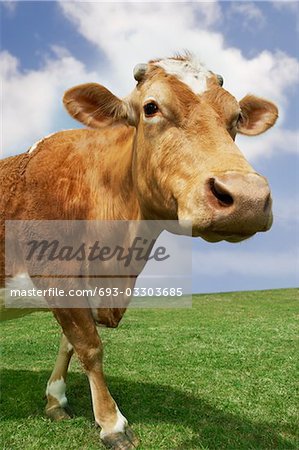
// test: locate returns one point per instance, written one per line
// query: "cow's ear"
(258, 115)
(95, 106)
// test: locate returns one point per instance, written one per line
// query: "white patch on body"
(119, 427)
(23, 283)
(69, 347)
(190, 71)
(95, 302)
(57, 390)
(94, 312)
(96, 318)
(34, 146)
(20, 281)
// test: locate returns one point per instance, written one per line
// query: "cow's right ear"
(95, 106)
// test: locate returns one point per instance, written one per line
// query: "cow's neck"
(112, 189)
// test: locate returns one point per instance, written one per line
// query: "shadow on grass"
(147, 403)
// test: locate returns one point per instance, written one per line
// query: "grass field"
(221, 375)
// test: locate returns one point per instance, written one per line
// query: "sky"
(47, 47)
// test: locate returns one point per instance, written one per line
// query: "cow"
(166, 152)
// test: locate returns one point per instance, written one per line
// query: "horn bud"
(139, 71)
(220, 80)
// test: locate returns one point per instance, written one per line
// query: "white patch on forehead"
(190, 71)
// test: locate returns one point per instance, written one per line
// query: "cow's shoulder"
(58, 176)
(64, 145)
(66, 168)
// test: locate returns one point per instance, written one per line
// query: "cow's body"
(34, 175)
(171, 155)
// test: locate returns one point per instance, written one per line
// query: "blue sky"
(46, 47)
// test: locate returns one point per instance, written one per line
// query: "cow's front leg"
(79, 327)
(56, 407)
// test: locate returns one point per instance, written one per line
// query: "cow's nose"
(241, 200)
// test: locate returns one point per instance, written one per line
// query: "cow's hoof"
(58, 413)
(121, 441)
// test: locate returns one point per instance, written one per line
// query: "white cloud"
(31, 100)
(132, 33)
(249, 263)
(249, 12)
(129, 34)
(290, 6)
(209, 12)
(135, 33)
(286, 211)
(274, 141)
(10, 6)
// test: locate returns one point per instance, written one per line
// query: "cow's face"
(186, 164)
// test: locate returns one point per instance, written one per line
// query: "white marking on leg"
(119, 427)
(57, 390)
(120, 421)
(190, 71)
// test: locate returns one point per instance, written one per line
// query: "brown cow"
(167, 151)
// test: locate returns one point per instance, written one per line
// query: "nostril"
(221, 193)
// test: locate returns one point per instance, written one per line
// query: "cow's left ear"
(258, 115)
(95, 106)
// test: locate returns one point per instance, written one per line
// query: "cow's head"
(186, 164)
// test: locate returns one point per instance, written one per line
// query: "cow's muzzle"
(241, 203)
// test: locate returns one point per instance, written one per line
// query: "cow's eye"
(150, 109)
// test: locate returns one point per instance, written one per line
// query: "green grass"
(221, 375)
